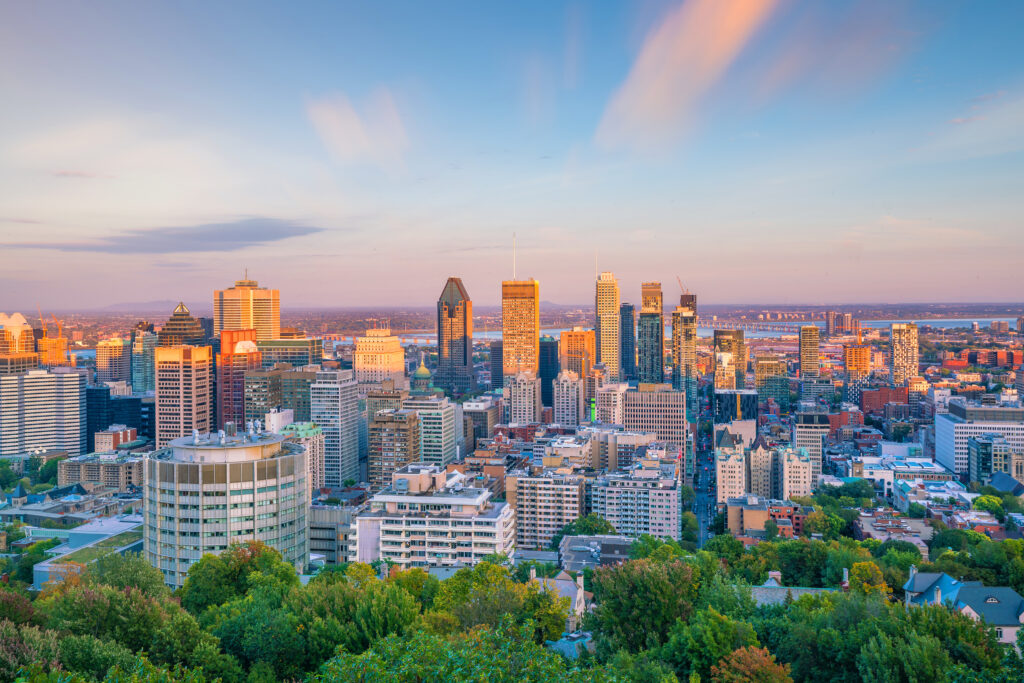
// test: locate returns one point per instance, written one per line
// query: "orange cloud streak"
(681, 59)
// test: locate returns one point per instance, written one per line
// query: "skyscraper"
(334, 407)
(454, 339)
(522, 399)
(379, 357)
(904, 350)
(113, 360)
(247, 306)
(810, 358)
(495, 362)
(627, 342)
(43, 410)
(731, 341)
(238, 355)
(520, 327)
(181, 328)
(549, 368)
(568, 399)
(16, 334)
(606, 306)
(143, 364)
(651, 335)
(436, 413)
(184, 391)
(577, 350)
(684, 350)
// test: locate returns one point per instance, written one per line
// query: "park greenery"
(667, 614)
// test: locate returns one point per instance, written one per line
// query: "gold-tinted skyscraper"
(520, 326)
(184, 391)
(810, 360)
(247, 306)
(454, 339)
(731, 341)
(606, 305)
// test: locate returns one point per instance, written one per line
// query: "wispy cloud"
(376, 135)
(681, 59)
(79, 174)
(992, 127)
(207, 237)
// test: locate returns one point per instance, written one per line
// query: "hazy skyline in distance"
(358, 154)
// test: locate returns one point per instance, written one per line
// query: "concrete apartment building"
(522, 398)
(310, 437)
(965, 420)
(394, 443)
(544, 503)
(334, 407)
(614, 447)
(438, 432)
(112, 437)
(644, 500)
(657, 408)
(110, 469)
(429, 517)
(568, 399)
(810, 429)
(203, 493)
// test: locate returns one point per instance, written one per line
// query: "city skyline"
(353, 144)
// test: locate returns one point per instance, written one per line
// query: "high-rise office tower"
(731, 341)
(549, 368)
(181, 329)
(522, 399)
(438, 439)
(43, 410)
(771, 379)
(577, 350)
(247, 306)
(606, 306)
(627, 342)
(520, 327)
(651, 335)
(904, 350)
(684, 349)
(568, 399)
(394, 443)
(454, 339)
(238, 355)
(495, 362)
(184, 391)
(296, 351)
(143, 363)
(378, 357)
(334, 407)
(810, 353)
(113, 361)
(261, 392)
(16, 335)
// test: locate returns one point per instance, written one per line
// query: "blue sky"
(360, 153)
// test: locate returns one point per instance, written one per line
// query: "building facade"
(606, 326)
(568, 399)
(247, 306)
(204, 493)
(455, 339)
(520, 327)
(378, 357)
(184, 391)
(810, 351)
(522, 397)
(394, 443)
(43, 410)
(904, 353)
(113, 360)
(438, 431)
(627, 342)
(334, 407)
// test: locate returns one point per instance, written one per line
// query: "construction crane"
(42, 323)
(60, 326)
(682, 289)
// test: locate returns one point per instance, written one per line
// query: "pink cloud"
(681, 59)
(376, 135)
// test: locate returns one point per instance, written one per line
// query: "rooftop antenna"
(513, 256)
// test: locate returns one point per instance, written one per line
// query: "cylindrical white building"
(206, 492)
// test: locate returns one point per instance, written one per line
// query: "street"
(704, 471)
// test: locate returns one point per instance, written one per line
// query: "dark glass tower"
(549, 369)
(627, 342)
(454, 339)
(651, 347)
(497, 357)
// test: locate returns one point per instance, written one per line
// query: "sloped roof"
(997, 605)
(454, 292)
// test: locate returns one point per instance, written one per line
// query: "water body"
(706, 332)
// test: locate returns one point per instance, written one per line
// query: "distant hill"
(165, 306)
